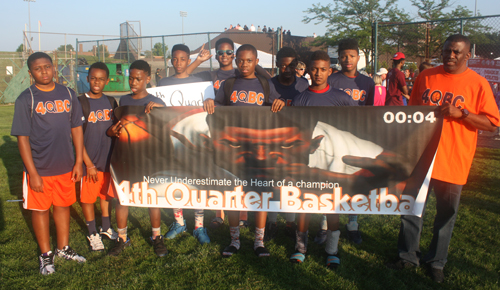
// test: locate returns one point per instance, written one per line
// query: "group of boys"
(47, 105)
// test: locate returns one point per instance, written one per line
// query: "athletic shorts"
(89, 190)
(58, 190)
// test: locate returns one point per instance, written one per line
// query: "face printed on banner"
(227, 54)
(180, 61)
(250, 152)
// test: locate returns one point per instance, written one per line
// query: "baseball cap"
(382, 71)
(398, 56)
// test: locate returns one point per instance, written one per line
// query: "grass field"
(474, 254)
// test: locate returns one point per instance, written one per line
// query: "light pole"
(29, 16)
(183, 14)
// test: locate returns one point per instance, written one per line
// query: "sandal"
(297, 258)
(262, 252)
(332, 262)
(229, 251)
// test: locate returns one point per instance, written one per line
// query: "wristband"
(88, 168)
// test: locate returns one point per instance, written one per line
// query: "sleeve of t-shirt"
(415, 98)
(76, 111)
(487, 105)
(21, 124)
(298, 100)
(273, 93)
(159, 101)
(205, 76)
(219, 98)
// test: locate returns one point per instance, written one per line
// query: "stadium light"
(29, 16)
(183, 14)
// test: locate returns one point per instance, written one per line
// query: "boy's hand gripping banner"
(346, 160)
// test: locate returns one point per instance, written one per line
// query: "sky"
(102, 18)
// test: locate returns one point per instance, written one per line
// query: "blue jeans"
(447, 201)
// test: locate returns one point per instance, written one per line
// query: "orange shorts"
(89, 191)
(58, 190)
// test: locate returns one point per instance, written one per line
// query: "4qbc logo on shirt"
(437, 98)
(57, 106)
(250, 97)
(357, 95)
(99, 115)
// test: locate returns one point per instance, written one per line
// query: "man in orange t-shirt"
(466, 102)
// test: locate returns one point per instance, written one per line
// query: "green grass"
(474, 256)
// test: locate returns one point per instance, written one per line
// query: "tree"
(69, 47)
(20, 48)
(159, 49)
(352, 19)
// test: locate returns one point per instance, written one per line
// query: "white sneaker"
(95, 242)
(47, 264)
(110, 233)
(69, 254)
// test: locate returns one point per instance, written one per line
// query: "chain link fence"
(423, 41)
(119, 53)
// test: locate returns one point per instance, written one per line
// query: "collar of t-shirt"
(320, 91)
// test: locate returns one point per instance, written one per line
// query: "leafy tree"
(69, 47)
(352, 19)
(20, 48)
(159, 49)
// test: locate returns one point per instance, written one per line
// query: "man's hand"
(151, 105)
(277, 105)
(448, 110)
(209, 106)
(36, 183)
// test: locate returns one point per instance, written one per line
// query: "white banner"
(192, 94)
(487, 68)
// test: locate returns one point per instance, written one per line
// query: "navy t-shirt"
(128, 101)
(48, 125)
(327, 97)
(247, 92)
(97, 143)
(220, 77)
(176, 81)
(361, 88)
(287, 93)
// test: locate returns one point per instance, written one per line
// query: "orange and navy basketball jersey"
(329, 96)
(361, 88)
(457, 145)
(246, 92)
(47, 118)
(287, 93)
(97, 143)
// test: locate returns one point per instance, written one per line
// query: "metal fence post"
(164, 55)
(375, 48)
(462, 26)
(98, 54)
(75, 73)
(210, 49)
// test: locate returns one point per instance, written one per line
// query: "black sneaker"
(290, 229)
(120, 244)
(159, 246)
(437, 274)
(271, 231)
(354, 236)
(401, 265)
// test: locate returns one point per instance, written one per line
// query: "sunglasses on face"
(227, 52)
(300, 69)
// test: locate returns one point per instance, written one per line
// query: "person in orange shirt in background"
(466, 102)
